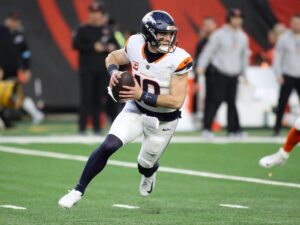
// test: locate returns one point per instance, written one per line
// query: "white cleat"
(278, 158)
(70, 199)
(147, 185)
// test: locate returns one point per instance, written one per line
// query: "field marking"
(13, 207)
(234, 206)
(126, 206)
(96, 139)
(161, 169)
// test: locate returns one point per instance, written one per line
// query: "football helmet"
(158, 21)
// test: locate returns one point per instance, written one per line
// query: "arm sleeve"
(278, 56)
(208, 51)
(80, 44)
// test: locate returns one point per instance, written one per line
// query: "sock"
(292, 139)
(148, 172)
(98, 160)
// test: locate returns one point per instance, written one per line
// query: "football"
(125, 79)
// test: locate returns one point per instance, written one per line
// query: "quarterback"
(152, 106)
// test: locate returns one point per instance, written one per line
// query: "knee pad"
(297, 124)
(148, 172)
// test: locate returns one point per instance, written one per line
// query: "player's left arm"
(173, 100)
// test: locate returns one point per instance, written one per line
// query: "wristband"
(111, 68)
(149, 99)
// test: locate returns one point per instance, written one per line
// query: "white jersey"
(156, 77)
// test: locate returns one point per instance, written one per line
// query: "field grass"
(38, 182)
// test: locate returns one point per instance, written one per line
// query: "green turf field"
(37, 183)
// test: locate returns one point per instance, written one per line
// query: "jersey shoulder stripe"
(183, 62)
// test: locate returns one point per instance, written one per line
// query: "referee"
(225, 58)
(286, 66)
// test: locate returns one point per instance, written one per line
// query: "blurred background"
(49, 26)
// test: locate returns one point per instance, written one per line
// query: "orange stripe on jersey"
(184, 63)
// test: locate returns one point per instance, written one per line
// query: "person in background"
(287, 67)
(225, 58)
(94, 41)
(209, 25)
(265, 59)
(15, 56)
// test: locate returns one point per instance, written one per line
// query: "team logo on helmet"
(156, 22)
(149, 19)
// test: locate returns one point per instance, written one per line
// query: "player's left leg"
(154, 143)
(282, 155)
(128, 119)
(95, 164)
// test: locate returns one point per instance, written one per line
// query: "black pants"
(219, 88)
(285, 91)
(91, 90)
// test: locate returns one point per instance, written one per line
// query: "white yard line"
(126, 206)
(234, 206)
(162, 169)
(96, 139)
(12, 207)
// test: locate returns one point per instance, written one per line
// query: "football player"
(161, 71)
(282, 155)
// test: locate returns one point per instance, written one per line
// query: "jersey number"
(146, 84)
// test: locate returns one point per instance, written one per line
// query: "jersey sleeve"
(184, 63)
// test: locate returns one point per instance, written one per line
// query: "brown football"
(125, 79)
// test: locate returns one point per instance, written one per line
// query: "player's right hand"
(114, 78)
